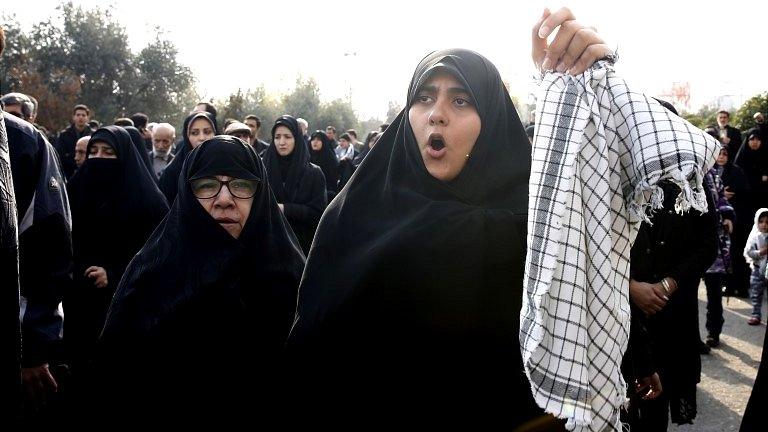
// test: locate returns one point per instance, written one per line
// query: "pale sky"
(371, 48)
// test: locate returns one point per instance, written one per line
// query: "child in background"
(755, 252)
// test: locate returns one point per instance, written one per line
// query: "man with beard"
(163, 137)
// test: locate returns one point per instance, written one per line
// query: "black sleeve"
(639, 357)
(45, 264)
(309, 212)
(701, 244)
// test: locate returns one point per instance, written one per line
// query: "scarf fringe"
(649, 198)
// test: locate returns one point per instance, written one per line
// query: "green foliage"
(83, 57)
(303, 101)
(338, 113)
(706, 116)
(743, 117)
(158, 73)
(370, 125)
(393, 111)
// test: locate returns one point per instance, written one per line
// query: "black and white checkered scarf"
(599, 151)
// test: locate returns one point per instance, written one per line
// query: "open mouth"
(436, 142)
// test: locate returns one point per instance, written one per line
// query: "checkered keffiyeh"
(598, 154)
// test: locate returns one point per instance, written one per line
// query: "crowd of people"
(447, 268)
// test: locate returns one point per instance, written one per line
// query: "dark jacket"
(45, 242)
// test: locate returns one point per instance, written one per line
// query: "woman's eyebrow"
(430, 88)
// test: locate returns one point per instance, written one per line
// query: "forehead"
(200, 122)
(250, 122)
(282, 130)
(441, 79)
(100, 144)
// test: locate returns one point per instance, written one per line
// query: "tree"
(707, 115)
(393, 111)
(303, 101)
(338, 113)
(82, 57)
(159, 85)
(743, 118)
(372, 124)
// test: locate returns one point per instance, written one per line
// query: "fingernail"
(543, 31)
(546, 64)
(560, 67)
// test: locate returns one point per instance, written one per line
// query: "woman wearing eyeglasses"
(201, 315)
(298, 185)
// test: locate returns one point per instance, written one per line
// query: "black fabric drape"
(138, 142)
(413, 288)
(754, 416)
(301, 189)
(115, 207)
(200, 318)
(169, 179)
(325, 158)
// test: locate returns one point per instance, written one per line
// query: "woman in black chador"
(201, 316)
(115, 207)
(412, 292)
(322, 155)
(198, 127)
(298, 185)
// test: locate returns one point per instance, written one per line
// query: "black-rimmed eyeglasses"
(209, 187)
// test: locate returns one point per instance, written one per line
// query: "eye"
(460, 101)
(423, 98)
(242, 185)
(205, 184)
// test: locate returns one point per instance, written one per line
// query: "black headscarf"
(325, 158)
(138, 142)
(115, 207)
(170, 176)
(197, 300)
(418, 282)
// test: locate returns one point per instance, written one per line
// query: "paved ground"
(729, 372)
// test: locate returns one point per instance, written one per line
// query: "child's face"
(762, 224)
